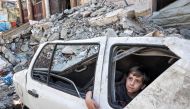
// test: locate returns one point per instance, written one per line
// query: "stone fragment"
(86, 14)
(132, 24)
(9, 55)
(36, 37)
(63, 33)
(19, 66)
(33, 22)
(128, 32)
(1, 40)
(13, 46)
(68, 11)
(55, 29)
(68, 50)
(54, 36)
(42, 40)
(171, 31)
(111, 32)
(103, 20)
(77, 15)
(123, 35)
(25, 47)
(99, 12)
(11, 38)
(2, 63)
(155, 34)
(45, 25)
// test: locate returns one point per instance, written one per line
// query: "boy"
(135, 81)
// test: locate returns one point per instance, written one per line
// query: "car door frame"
(104, 96)
(41, 88)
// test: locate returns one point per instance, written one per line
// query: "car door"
(62, 72)
(167, 90)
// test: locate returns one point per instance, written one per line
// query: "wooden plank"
(20, 11)
(53, 6)
(73, 3)
(30, 11)
(43, 9)
(37, 7)
(14, 31)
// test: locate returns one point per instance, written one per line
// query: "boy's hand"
(90, 103)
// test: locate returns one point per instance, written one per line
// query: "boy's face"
(133, 83)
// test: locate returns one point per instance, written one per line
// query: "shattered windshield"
(68, 55)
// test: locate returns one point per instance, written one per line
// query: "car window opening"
(72, 67)
(152, 61)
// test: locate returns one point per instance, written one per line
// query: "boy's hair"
(139, 72)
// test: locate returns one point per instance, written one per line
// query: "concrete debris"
(155, 34)
(7, 95)
(110, 32)
(2, 63)
(185, 32)
(86, 14)
(128, 32)
(9, 55)
(67, 50)
(83, 22)
(54, 36)
(176, 14)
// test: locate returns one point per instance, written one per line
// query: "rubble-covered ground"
(83, 22)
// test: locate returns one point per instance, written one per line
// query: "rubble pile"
(6, 96)
(87, 22)
(83, 22)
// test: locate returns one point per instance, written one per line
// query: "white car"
(61, 72)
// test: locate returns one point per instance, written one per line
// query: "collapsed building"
(82, 22)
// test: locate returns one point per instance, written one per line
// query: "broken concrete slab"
(45, 25)
(9, 55)
(110, 18)
(176, 14)
(173, 21)
(103, 20)
(141, 8)
(176, 4)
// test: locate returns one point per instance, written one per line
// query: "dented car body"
(61, 72)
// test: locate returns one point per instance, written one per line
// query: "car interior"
(154, 59)
(76, 79)
(81, 74)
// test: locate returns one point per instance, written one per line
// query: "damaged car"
(61, 72)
